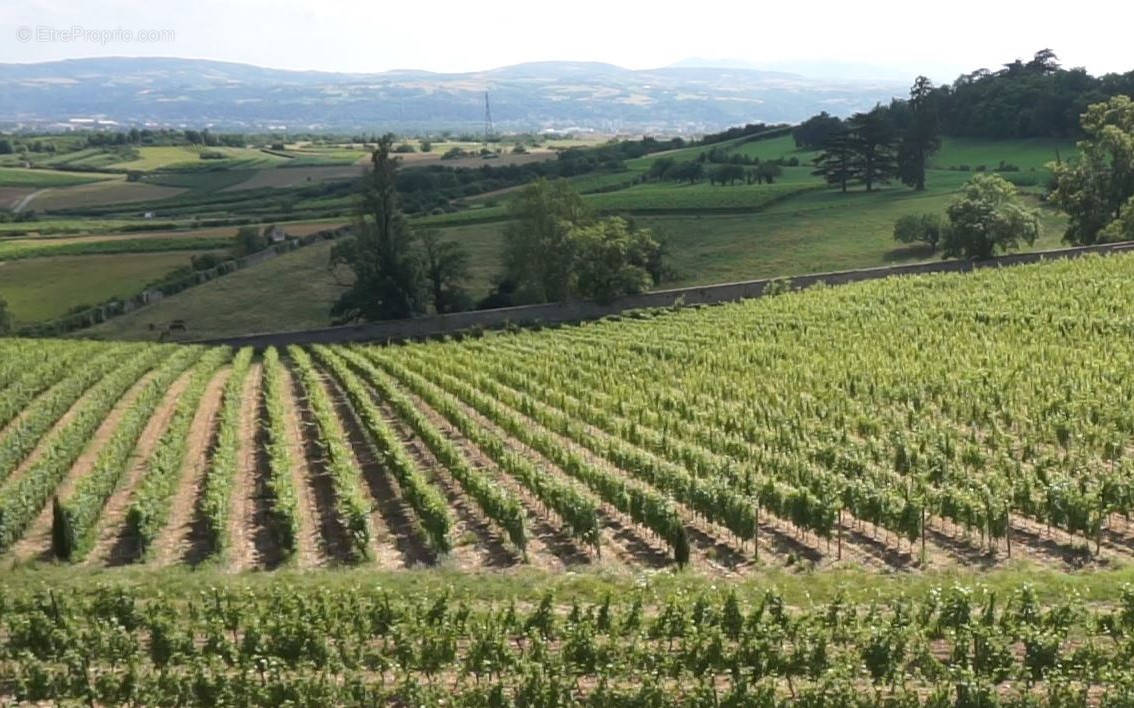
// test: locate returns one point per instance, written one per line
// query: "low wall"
(438, 325)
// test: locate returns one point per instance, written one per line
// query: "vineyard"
(911, 427)
(365, 645)
(924, 422)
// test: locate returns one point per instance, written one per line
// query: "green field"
(18, 177)
(110, 191)
(40, 289)
(1030, 154)
(18, 249)
(66, 226)
(293, 291)
(189, 157)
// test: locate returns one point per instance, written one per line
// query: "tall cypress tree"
(388, 279)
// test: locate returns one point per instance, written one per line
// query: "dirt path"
(253, 544)
(311, 545)
(113, 546)
(28, 198)
(37, 539)
(397, 543)
(177, 541)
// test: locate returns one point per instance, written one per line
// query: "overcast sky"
(941, 40)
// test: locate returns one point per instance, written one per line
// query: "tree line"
(1037, 98)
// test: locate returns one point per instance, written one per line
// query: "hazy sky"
(940, 40)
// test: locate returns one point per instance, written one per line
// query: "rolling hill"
(528, 96)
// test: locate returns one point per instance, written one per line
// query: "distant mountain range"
(533, 96)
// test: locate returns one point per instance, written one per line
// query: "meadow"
(294, 291)
(39, 289)
(15, 177)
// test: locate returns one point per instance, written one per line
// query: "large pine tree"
(873, 141)
(836, 163)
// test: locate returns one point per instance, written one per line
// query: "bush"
(923, 228)
(404, 148)
(212, 155)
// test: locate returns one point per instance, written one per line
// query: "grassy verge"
(797, 588)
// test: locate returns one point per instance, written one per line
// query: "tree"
(5, 146)
(920, 228)
(555, 249)
(768, 172)
(1096, 190)
(921, 138)
(659, 168)
(538, 250)
(5, 317)
(446, 265)
(987, 218)
(836, 163)
(691, 171)
(613, 259)
(726, 174)
(388, 281)
(816, 131)
(872, 141)
(249, 239)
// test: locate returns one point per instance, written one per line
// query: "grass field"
(64, 226)
(293, 291)
(188, 157)
(295, 288)
(1026, 154)
(19, 177)
(295, 176)
(41, 289)
(19, 249)
(107, 191)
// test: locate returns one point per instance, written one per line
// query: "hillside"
(524, 97)
(713, 234)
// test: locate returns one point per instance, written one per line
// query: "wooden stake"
(923, 533)
(839, 555)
